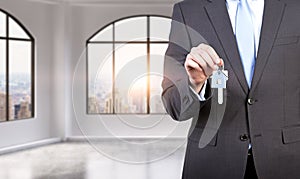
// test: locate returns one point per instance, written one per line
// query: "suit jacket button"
(244, 137)
(251, 101)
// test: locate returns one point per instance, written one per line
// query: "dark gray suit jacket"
(267, 114)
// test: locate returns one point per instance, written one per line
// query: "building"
(93, 106)
(24, 111)
(3, 107)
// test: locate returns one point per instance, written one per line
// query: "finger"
(207, 58)
(198, 59)
(211, 51)
(195, 55)
(221, 62)
(192, 65)
(206, 69)
(195, 72)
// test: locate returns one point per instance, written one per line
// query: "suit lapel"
(219, 18)
(273, 12)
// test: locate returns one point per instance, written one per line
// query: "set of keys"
(218, 80)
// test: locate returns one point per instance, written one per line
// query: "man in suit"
(258, 41)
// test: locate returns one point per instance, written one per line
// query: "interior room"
(80, 85)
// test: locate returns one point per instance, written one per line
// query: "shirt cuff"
(202, 92)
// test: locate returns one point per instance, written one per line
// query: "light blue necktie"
(244, 33)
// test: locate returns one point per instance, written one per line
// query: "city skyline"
(126, 101)
(20, 104)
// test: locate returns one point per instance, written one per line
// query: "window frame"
(7, 39)
(148, 43)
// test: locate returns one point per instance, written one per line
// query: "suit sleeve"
(180, 102)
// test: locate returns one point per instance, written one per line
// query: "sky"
(19, 51)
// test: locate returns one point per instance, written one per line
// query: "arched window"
(16, 69)
(125, 66)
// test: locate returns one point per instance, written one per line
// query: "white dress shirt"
(257, 10)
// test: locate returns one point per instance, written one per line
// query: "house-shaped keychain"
(219, 78)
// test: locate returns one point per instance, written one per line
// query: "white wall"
(38, 19)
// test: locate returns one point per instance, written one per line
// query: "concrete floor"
(108, 159)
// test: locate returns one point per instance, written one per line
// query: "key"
(219, 79)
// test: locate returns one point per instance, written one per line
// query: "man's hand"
(200, 63)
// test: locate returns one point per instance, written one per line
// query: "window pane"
(157, 52)
(2, 81)
(159, 28)
(131, 81)
(132, 29)
(100, 78)
(20, 79)
(15, 30)
(2, 24)
(104, 35)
